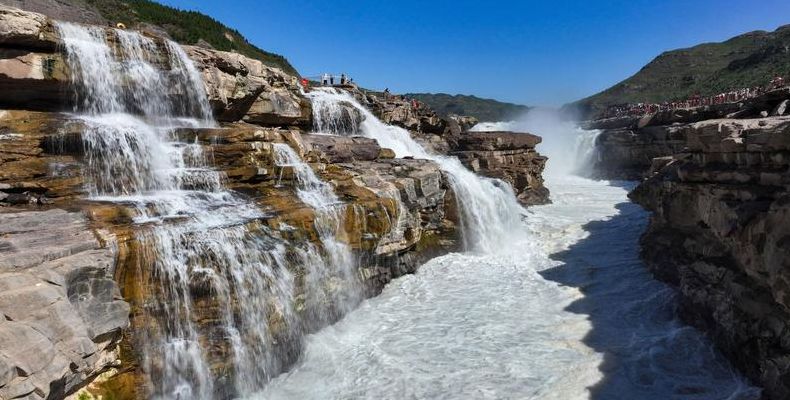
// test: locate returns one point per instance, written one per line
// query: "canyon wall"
(720, 232)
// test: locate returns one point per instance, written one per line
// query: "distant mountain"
(186, 27)
(747, 60)
(482, 109)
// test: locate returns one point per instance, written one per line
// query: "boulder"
(24, 29)
(240, 88)
(339, 149)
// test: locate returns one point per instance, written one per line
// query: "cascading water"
(329, 210)
(200, 243)
(490, 210)
(565, 311)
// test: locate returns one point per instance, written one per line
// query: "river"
(566, 311)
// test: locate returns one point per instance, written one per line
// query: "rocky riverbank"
(717, 184)
(75, 271)
(719, 231)
(716, 179)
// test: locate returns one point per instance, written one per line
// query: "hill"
(482, 109)
(746, 60)
(187, 27)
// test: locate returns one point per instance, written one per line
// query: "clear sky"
(528, 52)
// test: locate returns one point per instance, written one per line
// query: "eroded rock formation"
(508, 156)
(76, 271)
(720, 231)
(627, 145)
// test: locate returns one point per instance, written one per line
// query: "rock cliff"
(626, 146)
(720, 231)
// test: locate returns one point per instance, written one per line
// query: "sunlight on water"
(567, 311)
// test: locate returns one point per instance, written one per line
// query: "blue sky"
(528, 52)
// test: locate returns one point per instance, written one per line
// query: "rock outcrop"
(627, 145)
(508, 156)
(74, 271)
(511, 157)
(720, 231)
(63, 312)
(243, 89)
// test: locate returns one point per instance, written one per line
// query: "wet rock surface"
(74, 271)
(508, 156)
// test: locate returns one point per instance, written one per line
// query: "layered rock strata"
(626, 146)
(720, 231)
(74, 270)
(508, 156)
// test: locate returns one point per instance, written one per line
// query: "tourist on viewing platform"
(325, 79)
(342, 79)
(332, 80)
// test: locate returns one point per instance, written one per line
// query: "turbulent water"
(490, 212)
(564, 311)
(199, 242)
(545, 304)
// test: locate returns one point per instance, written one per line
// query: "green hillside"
(188, 27)
(747, 60)
(482, 109)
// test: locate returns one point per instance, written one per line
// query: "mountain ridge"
(746, 60)
(481, 108)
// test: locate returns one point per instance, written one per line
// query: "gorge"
(181, 222)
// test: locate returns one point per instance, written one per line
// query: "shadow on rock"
(648, 352)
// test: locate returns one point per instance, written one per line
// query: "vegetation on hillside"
(747, 60)
(188, 27)
(482, 109)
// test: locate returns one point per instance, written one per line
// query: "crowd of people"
(732, 96)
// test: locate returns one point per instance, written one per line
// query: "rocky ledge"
(626, 146)
(720, 231)
(508, 156)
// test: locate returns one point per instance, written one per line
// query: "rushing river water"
(549, 303)
(569, 313)
(565, 311)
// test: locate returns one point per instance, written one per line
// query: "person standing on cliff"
(342, 79)
(325, 79)
(387, 94)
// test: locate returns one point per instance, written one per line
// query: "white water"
(490, 211)
(507, 321)
(568, 313)
(199, 241)
(565, 310)
(340, 264)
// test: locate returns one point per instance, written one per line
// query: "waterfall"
(220, 282)
(489, 209)
(586, 151)
(329, 211)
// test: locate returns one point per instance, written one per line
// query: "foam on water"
(567, 311)
(199, 242)
(490, 212)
